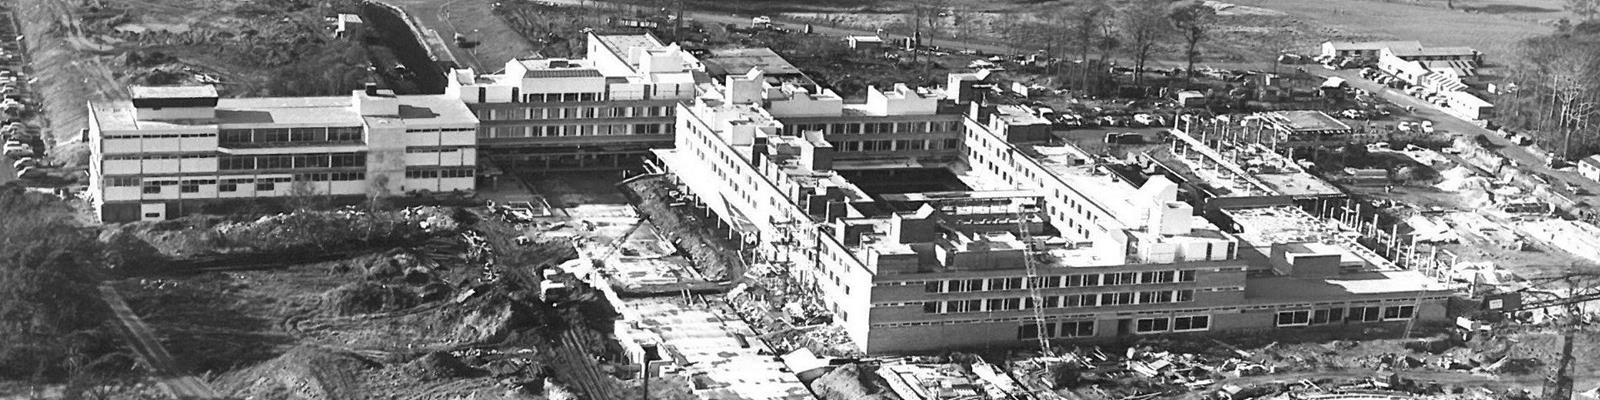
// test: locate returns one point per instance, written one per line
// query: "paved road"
(139, 337)
(1450, 123)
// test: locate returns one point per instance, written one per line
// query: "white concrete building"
(171, 151)
(945, 270)
(592, 113)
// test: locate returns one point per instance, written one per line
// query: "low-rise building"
(1589, 167)
(1364, 50)
(171, 151)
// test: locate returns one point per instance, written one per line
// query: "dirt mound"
(438, 365)
(301, 373)
(368, 297)
(852, 381)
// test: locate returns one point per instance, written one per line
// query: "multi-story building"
(948, 270)
(603, 111)
(171, 151)
(901, 124)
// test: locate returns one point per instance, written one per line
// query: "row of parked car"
(22, 142)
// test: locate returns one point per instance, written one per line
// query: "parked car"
(24, 162)
(1146, 119)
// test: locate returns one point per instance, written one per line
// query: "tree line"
(1552, 89)
(1093, 32)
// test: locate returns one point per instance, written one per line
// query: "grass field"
(1496, 35)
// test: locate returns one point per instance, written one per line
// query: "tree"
(50, 311)
(1143, 24)
(1584, 9)
(1084, 21)
(1192, 21)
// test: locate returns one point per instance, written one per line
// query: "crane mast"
(1025, 213)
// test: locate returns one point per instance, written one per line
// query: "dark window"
(264, 186)
(152, 189)
(932, 287)
(227, 187)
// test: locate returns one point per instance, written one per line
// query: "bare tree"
(1143, 25)
(1192, 21)
(1085, 20)
(1584, 9)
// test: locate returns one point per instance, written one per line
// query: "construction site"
(774, 239)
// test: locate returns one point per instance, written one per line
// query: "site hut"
(601, 112)
(1469, 106)
(1589, 167)
(171, 151)
(864, 43)
(348, 26)
(921, 272)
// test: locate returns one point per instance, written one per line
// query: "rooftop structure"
(1303, 128)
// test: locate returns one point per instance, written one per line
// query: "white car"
(24, 162)
(1146, 119)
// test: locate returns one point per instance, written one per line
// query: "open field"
(496, 41)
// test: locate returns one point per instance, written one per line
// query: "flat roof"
(1309, 120)
(326, 111)
(306, 111)
(1019, 115)
(1281, 289)
(1433, 51)
(739, 61)
(172, 92)
(431, 109)
(1401, 44)
(620, 44)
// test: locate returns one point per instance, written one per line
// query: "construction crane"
(1559, 384)
(1025, 214)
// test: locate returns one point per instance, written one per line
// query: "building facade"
(171, 151)
(604, 111)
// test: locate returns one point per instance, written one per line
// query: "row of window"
(573, 113)
(436, 149)
(1189, 323)
(132, 181)
(559, 97)
(896, 145)
(864, 128)
(437, 130)
(276, 161)
(337, 134)
(573, 130)
(226, 185)
(1064, 301)
(156, 135)
(1356, 314)
(136, 156)
(1061, 281)
(424, 173)
(1052, 330)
